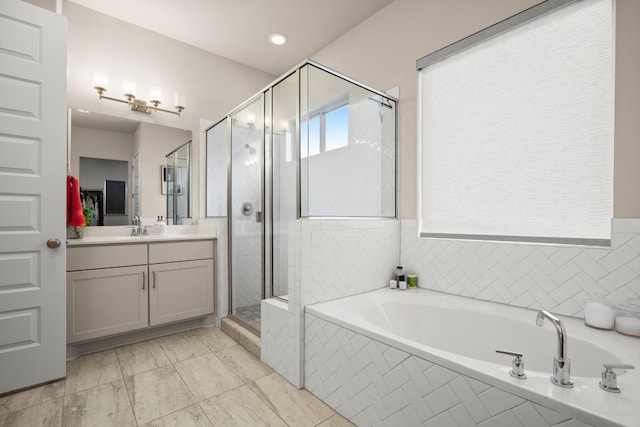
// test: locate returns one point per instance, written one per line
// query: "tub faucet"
(561, 364)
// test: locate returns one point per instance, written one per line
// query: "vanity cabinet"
(106, 290)
(106, 302)
(181, 283)
(115, 288)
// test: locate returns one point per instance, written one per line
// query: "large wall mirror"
(119, 163)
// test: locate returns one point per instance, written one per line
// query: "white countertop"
(106, 240)
(121, 235)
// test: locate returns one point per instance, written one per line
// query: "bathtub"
(346, 338)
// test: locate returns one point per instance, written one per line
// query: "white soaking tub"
(424, 343)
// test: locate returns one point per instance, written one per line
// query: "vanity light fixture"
(101, 80)
(277, 38)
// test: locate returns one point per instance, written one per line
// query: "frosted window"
(517, 132)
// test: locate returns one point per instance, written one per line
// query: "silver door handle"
(143, 279)
(247, 209)
(154, 280)
(53, 243)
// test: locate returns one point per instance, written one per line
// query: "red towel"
(75, 215)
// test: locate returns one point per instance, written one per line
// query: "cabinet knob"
(53, 243)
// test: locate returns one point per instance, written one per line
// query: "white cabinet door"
(106, 301)
(180, 290)
(33, 131)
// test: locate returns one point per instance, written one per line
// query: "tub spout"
(561, 363)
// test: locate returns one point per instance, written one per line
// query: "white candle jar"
(599, 313)
(628, 317)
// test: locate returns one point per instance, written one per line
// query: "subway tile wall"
(346, 257)
(551, 277)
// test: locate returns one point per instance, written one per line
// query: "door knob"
(53, 243)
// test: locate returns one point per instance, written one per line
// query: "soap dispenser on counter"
(161, 226)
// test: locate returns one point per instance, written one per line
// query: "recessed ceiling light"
(277, 38)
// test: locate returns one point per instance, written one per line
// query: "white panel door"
(33, 128)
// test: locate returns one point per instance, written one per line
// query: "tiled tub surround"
(552, 277)
(391, 358)
(328, 259)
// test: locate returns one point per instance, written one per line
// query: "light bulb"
(155, 93)
(180, 100)
(129, 88)
(100, 80)
(278, 39)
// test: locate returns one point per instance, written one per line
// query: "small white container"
(393, 284)
(628, 317)
(599, 313)
(402, 285)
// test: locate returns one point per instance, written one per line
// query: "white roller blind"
(517, 132)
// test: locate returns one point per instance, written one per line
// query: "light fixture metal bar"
(140, 106)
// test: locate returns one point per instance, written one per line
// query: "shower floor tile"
(250, 315)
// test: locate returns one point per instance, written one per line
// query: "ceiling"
(239, 29)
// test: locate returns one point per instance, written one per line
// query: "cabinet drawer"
(105, 256)
(180, 251)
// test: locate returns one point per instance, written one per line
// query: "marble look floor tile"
(207, 376)
(240, 407)
(141, 357)
(47, 414)
(296, 407)
(336, 421)
(193, 416)
(157, 393)
(105, 405)
(91, 371)
(183, 346)
(33, 396)
(243, 364)
(214, 338)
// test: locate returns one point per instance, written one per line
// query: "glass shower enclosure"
(176, 184)
(313, 144)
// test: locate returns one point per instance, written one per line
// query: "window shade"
(517, 132)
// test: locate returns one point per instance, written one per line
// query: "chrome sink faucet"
(561, 364)
(138, 229)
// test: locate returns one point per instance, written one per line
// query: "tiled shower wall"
(551, 277)
(247, 231)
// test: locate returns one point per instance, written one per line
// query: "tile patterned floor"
(195, 378)
(250, 315)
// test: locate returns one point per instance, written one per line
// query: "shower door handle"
(258, 216)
